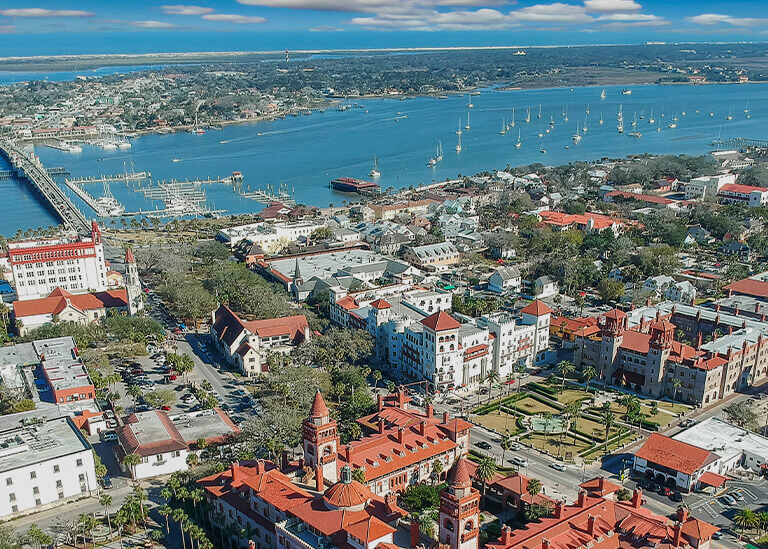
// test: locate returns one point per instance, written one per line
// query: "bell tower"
(662, 333)
(459, 510)
(132, 283)
(321, 440)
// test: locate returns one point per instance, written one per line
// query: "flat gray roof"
(723, 438)
(24, 446)
(326, 265)
(203, 424)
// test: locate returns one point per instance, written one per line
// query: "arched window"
(468, 526)
(448, 524)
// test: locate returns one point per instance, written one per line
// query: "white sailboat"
(541, 133)
(528, 115)
(467, 127)
(634, 120)
(433, 161)
(601, 122)
(565, 114)
(519, 143)
(650, 118)
(375, 171)
(620, 127)
(587, 108)
(439, 150)
(512, 123)
(746, 110)
(469, 102)
(539, 111)
(658, 129)
(729, 117)
(576, 137)
(458, 145)
(196, 130)
(602, 94)
(584, 127)
(503, 127)
(458, 132)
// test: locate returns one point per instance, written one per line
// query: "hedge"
(493, 406)
(542, 388)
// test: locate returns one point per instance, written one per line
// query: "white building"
(743, 194)
(506, 279)
(707, 186)
(43, 466)
(545, 286)
(684, 292)
(73, 263)
(432, 257)
(657, 285)
(272, 237)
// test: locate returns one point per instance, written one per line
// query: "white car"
(519, 461)
(557, 466)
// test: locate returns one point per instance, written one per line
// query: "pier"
(269, 196)
(740, 143)
(31, 169)
(10, 174)
(126, 177)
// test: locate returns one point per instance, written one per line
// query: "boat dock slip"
(29, 167)
(269, 196)
(740, 143)
(92, 202)
(137, 176)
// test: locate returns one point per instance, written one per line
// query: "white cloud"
(371, 6)
(154, 25)
(631, 17)
(553, 13)
(717, 18)
(482, 19)
(40, 12)
(186, 10)
(234, 18)
(610, 6)
(326, 28)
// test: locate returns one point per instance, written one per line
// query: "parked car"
(108, 436)
(676, 496)
(557, 466)
(718, 535)
(728, 500)
(519, 461)
(482, 444)
(664, 491)
(106, 482)
(165, 408)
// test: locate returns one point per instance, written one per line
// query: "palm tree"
(746, 518)
(609, 419)
(166, 494)
(534, 487)
(164, 511)
(492, 378)
(588, 374)
(135, 392)
(630, 402)
(131, 461)
(180, 517)
(437, 468)
(106, 501)
(547, 416)
(675, 386)
(565, 367)
(486, 469)
(376, 378)
(506, 444)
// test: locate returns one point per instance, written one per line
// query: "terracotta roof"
(58, 300)
(292, 326)
(459, 476)
(129, 432)
(319, 409)
(636, 341)
(644, 197)
(129, 256)
(749, 286)
(350, 495)
(381, 304)
(370, 530)
(347, 303)
(678, 456)
(536, 308)
(712, 479)
(698, 529)
(615, 314)
(600, 486)
(740, 189)
(440, 321)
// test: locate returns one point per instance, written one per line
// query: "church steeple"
(132, 283)
(321, 440)
(297, 279)
(459, 509)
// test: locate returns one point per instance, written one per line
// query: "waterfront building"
(432, 257)
(44, 465)
(388, 212)
(246, 344)
(165, 442)
(73, 263)
(271, 237)
(707, 186)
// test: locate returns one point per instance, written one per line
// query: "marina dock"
(29, 168)
(123, 177)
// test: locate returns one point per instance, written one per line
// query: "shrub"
(421, 496)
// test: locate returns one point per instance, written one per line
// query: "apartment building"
(271, 237)
(73, 263)
(432, 257)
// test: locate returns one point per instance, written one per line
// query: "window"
(159, 457)
(61, 495)
(12, 497)
(81, 477)
(38, 502)
(14, 508)
(35, 490)
(58, 484)
(56, 469)
(175, 454)
(9, 481)
(33, 474)
(79, 462)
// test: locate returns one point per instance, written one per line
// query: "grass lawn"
(500, 422)
(600, 448)
(532, 406)
(593, 428)
(552, 444)
(676, 409)
(572, 395)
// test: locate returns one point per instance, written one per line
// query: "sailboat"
(503, 127)
(634, 120)
(439, 150)
(658, 129)
(196, 130)
(674, 117)
(541, 132)
(375, 171)
(433, 161)
(512, 123)
(620, 127)
(458, 132)
(458, 145)
(587, 108)
(642, 114)
(682, 113)
(584, 127)
(729, 117)
(746, 110)
(519, 143)
(601, 119)
(539, 111)
(469, 104)
(576, 137)
(634, 132)
(602, 94)
(467, 126)
(528, 115)
(565, 114)
(551, 121)
(650, 118)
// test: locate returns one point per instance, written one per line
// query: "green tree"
(608, 419)
(486, 470)
(745, 518)
(589, 373)
(358, 475)
(106, 500)
(610, 290)
(741, 414)
(533, 487)
(676, 383)
(131, 461)
(165, 510)
(565, 367)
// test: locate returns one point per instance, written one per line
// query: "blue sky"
(254, 24)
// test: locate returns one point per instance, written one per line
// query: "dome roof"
(459, 477)
(319, 409)
(347, 493)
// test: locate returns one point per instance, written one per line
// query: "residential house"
(505, 279)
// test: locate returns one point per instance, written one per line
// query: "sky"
(39, 27)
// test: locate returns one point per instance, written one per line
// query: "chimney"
(348, 453)
(423, 427)
(400, 435)
(591, 525)
(558, 509)
(381, 426)
(430, 410)
(445, 418)
(236, 471)
(390, 503)
(637, 498)
(757, 307)
(415, 532)
(319, 484)
(544, 543)
(698, 339)
(717, 307)
(286, 460)
(582, 501)
(251, 544)
(506, 535)
(682, 514)
(678, 529)
(601, 484)
(380, 402)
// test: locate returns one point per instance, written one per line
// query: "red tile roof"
(370, 530)
(319, 409)
(636, 341)
(712, 479)
(739, 189)
(58, 300)
(344, 495)
(698, 529)
(347, 303)
(749, 286)
(678, 456)
(293, 326)
(643, 197)
(129, 256)
(440, 321)
(127, 435)
(459, 475)
(381, 304)
(599, 486)
(536, 308)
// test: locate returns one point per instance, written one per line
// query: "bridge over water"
(33, 171)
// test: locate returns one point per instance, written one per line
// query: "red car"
(170, 377)
(165, 408)
(137, 371)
